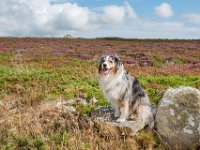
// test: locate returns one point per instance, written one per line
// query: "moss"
(148, 140)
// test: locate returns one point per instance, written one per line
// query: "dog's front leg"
(124, 112)
(116, 110)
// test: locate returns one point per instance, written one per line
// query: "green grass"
(156, 85)
(158, 62)
(75, 80)
(68, 81)
(23, 142)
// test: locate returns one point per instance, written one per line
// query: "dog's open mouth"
(106, 71)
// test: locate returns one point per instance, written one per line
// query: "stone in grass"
(104, 115)
(66, 106)
(178, 118)
(76, 100)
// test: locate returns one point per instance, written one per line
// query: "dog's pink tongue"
(106, 72)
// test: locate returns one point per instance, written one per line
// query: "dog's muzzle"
(106, 71)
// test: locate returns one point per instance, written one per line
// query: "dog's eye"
(110, 61)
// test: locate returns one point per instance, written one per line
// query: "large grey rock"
(178, 118)
(105, 116)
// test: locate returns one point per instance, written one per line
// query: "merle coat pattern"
(124, 92)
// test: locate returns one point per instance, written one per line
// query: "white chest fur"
(112, 86)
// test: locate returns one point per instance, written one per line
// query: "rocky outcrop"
(105, 116)
(178, 118)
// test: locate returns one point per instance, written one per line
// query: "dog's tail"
(152, 122)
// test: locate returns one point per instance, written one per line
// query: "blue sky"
(143, 7)
(180, 5)
(100, 18)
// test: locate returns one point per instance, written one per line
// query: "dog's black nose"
(104, 65)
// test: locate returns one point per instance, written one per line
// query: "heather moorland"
(38, 70)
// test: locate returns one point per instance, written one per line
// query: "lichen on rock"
(178, 117)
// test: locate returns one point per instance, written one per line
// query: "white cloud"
(69, 16)
(36, 17)
(114, 14)
(43, 18)
(130, 11)
(148, 29)
(118, 14)
(164, 10)
(193, 18)
(63, 16)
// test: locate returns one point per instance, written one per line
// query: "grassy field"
(34, 70)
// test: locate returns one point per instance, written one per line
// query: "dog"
(124, 92)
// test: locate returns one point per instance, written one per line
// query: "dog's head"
(109, 65)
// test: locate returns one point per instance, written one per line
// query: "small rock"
(171, 112)
(138, 55)
(169, 63)
(64, 108)
(76, 100)
(66, 105)
(103, 113)
(62, 105)
(93, 101)
(187, 130)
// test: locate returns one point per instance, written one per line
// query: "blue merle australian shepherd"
(124, 92)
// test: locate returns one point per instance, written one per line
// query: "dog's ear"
(117, 59)
(101, 58)
(99, 69)
(100, 62)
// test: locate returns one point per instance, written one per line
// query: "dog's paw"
(121, 120)
(116, 114)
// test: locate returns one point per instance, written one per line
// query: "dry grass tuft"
(147, 139)
(24, 126)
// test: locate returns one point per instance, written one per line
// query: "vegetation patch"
(55, 71)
